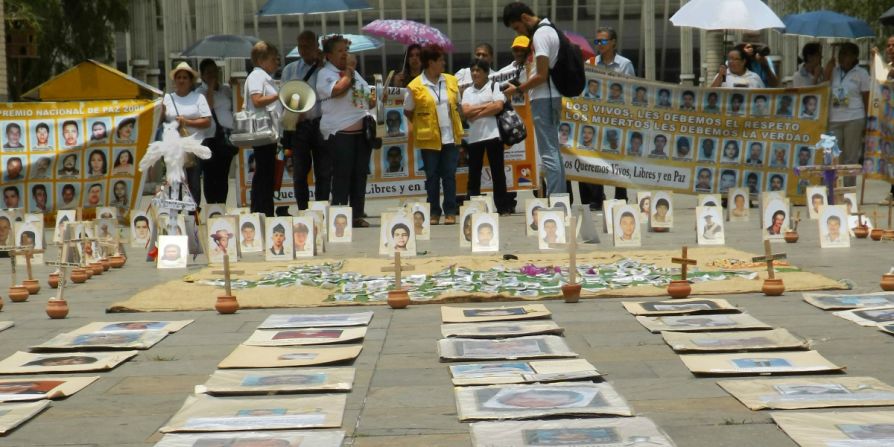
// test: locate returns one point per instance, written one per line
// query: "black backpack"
(568, 73)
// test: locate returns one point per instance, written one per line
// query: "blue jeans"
(545, 113)
(440, 167)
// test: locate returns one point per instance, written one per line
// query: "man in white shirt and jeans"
(546, 101)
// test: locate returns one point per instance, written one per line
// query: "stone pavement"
(402, 394)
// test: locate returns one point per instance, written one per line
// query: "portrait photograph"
(31, 362)
(635, 146)
(278, 238)
(660, 145)
(688, 101)
(809, 107)
(736, 104)
(833, 227)
(753, 180)
(102, 340)
(754, 153)
(627, 227)
(418, 163)
(321, 206)
(709, 225)
(776, 181)
(593, 90)
(779, 155)
(485, 233)
(421, 223)
(729, 178)
(126, 130)
(662, 213)
(340, 218)
(775, 218)
(100, 129)
(43, 135)
(40, 197)
(644, 199)
(123, 161)
(561, 202)
(395, 124)
(250, 233)
(551, 228)
(534, 346)
(640, 95)
(541, 400)
(172, 252)
(615, 93)
(760, 105)
(71, 132)
(303, 232)
(140, 228)
(663, 98)
(817, 198)
(401, 237)
(683, 148)
(566, 134)
(465, 220)
(394, 160)
(14, 167)
(712, 102)
(94, 194)
(532, 210)
(708, 149)
(69, 166)
(62, 218)
(41, 167)
(870, 316)
(14, 137)
(587, 138)
(732, 152)
(704, 179)
(738, 207)
(16, 390)
(785, 105)
(222, 239)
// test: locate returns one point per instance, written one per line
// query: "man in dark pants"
(305, 141)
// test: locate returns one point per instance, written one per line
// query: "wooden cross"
(890, 214)
(13, 251)
(859, 215)
(227, 272)
(63, 264)
(684, 262)
(397, 269)
(28, 253)
(796, 221)
(768, 257)
(571, 246)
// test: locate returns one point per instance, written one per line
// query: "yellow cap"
(521, 42)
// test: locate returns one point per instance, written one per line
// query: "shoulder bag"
(512, 128)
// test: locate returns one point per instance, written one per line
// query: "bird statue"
(173, 149)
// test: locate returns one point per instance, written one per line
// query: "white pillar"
(648, 20)
(712, 54)
(687, 77)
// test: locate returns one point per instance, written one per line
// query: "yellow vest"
(426, 130)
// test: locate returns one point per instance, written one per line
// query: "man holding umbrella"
(305, 141)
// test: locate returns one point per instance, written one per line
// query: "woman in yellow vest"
(432, 106)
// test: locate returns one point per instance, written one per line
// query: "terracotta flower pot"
(791, 237)
(398, 299)
(861, 231)
(32, 285)
(116, 261)
(57, 309)
(78, 275)
(876, 234)
(888, 234)
(18, 294)
(106, 264)
(1, 303)
(888, 282)
(571, 292)
(226, 304)
(53, 280)
(773, 287)
(679, 288)
(660, 230)
(96, 267)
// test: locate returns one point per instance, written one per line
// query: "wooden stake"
(768, 257)
(227, 272)
(684, 262)
(398, 268)
(571, 246)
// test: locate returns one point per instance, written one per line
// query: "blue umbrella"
(296, 7)
(222, 46)
(359, 43)
(827, 24)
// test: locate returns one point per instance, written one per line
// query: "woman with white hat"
(190, 110)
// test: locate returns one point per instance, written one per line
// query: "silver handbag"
(254, 129)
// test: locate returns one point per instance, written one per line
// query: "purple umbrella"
(408, 32)
(581, 42)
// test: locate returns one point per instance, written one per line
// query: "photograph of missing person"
(486, 233)
(94, 194)
(251, 233)
(729, 178)
(100, 129)
(587, 138)
(29, 234)
(662, 215)
(611, 139)
(644, 199)
(707, 149)
(712, 102)
(69, 166)
(13, 137)
(640, 95)
(593, 89)
(626, 223)
(608, 205)
(303, 236)
(123, 161)
(688, 101)
(779, 155)
(709, 225)
(784, 105)
(663, 98)
(222, 239)
(532, 208)
(395, 125)
(683, 148)
(340, 218)
(775, 219)
(566, 134)
(465, 219)
(752, 180)
(809, 108)
(140, 228)
(760, 105)
(776, 181)
(530, 401)
(39, 200)
(660, 146)
(14, 168)
(172, 251)
(71, 132)
(635, 140)
(421, 224)
(41, 167)
(43, 135)
(278, 242)
(731, 152)
(737, 200)
(816, 199)
(736, 104)
(401, 236)
(832, 227)
(561, 202)
(126, 130)
(615, 93)
(704, 179)
(551, 228)
(754, 155)
(394, 160)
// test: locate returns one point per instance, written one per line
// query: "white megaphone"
(296, 97)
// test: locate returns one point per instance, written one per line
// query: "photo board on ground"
(135, 325)
(252, 438)
(537, 346)
(768, 340)
(277, 381)
(286, 321)
(838, 428)
(608, 432)
(868, 316)
(502, 313)
(844, 301)
(501, 330)
(687, 306)
(794, 393)
(279, 357)
(73, 341)
(521, 371)
(759, 363)
(15, 414)
(31, 363)
(306, 336)
(37, 388)
(538, 401)
(699, 323)
(207, 413)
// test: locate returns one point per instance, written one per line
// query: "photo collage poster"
(878, 155)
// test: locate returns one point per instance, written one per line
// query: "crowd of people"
(333, 138)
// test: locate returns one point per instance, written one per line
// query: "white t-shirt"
(847, 94)
(464, 76)
(191, 106)
(803, 78)
(545, 43)
(261, 82)
(223, 104)
(748, 80)
(484, 128)
(441, 98)
(343, 111)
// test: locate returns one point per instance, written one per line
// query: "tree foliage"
(67, 33)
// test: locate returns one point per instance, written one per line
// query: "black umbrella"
(887, 18)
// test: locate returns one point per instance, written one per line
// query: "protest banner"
(65, 155)
(878, 155)
(396, 168)
(641, 134)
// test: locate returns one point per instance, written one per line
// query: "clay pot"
(791, 237)
(116, 261)
(78, 275)
(773, 287)
(888, 282)
(106, 264)
(57, 309)
(398, 299)
(97, 268)
(32, 285)
(679, 288)
(226, 304)
(876, 234)
(1, 303)
(88, 271)
(571, 292)
(861, 231)
(18, 294)
(888, 234)
(660, 230)
(53, 280)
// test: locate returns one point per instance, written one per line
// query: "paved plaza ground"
(403, 395)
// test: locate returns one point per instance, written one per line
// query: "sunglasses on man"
(602, 41)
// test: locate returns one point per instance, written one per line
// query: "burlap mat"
(183, 295)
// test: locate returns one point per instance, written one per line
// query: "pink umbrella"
(408, 32)
(581, 42)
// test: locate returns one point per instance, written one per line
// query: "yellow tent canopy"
(91, 80)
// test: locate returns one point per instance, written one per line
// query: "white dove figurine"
(173, 149)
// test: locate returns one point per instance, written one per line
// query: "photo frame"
(551, 228)
(738, 209)
(532, 208)
(627, 227)
(278, 244)
(172, 252)
(485, 233)
(734, 341)
(235, 382)
(833, 229)
(531, 401)
(222, 239)
(662, 215)
(340, 219)
(251, 232)
(709, 225)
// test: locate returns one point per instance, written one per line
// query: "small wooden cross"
(796, 221)
(684, 262)
(28, 253)
(768, 257)
(13, 251)
(859, 215)
(571, 246)
(397, 269)
(227, 272)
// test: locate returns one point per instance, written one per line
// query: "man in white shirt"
(850, 103)
(483, 51)
(546, 101)
(306, 142)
